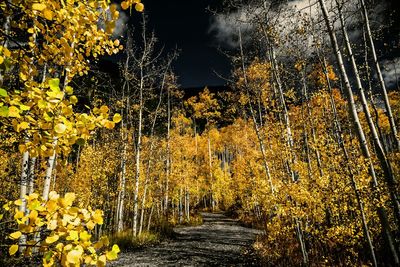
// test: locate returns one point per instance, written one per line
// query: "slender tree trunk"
(187, 204)
(32, 166)
(124, 135)
(147, 180)
(255, 124)
(290, 143)
(385, 164)
(211, 173)
(352, 106)
(388, 109)
(138, 150)
(312, 126)
(49, 172)
(180, 206)
(150, 217)
(23, 191)
(168, 161)
(121, 195)
(340, 141)
(354, 117)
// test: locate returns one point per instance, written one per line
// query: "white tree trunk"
(385, 164)
(138, 151)
(32, 165)
(356, 122)
(49, 171)
(380, 77)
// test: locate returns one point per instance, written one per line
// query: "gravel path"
(220, 241)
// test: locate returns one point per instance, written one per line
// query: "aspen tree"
(384, 93)
(360, 132)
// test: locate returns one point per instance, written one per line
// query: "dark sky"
(185, 24)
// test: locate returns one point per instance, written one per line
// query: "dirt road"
(220, 241)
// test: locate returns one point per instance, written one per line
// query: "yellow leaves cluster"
(204, 106)
(65, 33)
(318, 75)
(67, 241)
(44, 113)
(5, 54)
(128, 3)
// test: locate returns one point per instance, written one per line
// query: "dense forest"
(302, 142)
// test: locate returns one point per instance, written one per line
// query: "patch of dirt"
(220, 241)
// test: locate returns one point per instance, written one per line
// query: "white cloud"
(225, 27)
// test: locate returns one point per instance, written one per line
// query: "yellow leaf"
(139, 7)
(116, 248)
(109, 124)
(1, 60)
(22, 148)
(38, 6)
(60, 128)
(124, 5)
(84, 236)
(18, 215)
(104, 109)
(6, 52)
(13, 249)
(98, 217)
(102, 260)
(74, 257)
(73, 99)
(52, 225)
(48, 14)
(6, 206)
(52, 239)
(13, 112)
(90, 225)
(53, 195)
(18, 202)
(22, 126)
(69, 90)
(33, 215)
(33, 196)
(23, 76)
(117, 118)
(111, 255)
(15, 235)
(69, 198)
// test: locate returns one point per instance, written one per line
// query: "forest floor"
(219, 241)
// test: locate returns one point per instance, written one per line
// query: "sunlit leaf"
(38, 6)
(52, 239)
(117, 118)
(139, 7)
(60, 128)
(3, 92)
(15, 235)
(13, 249)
